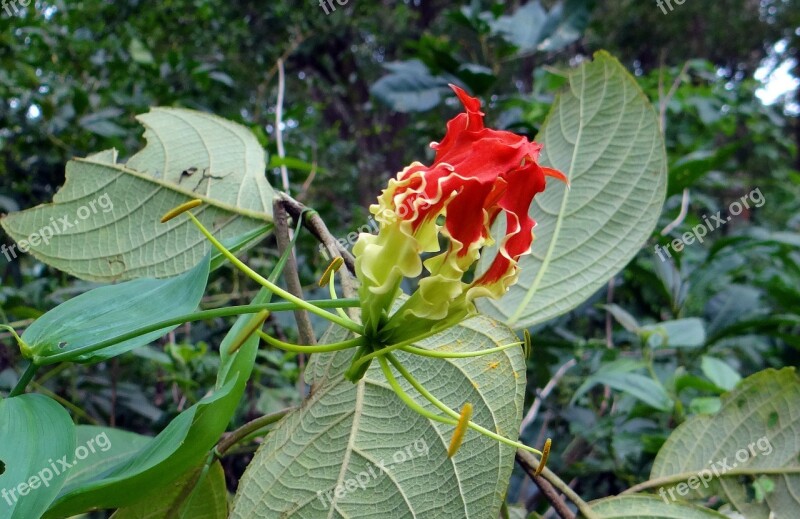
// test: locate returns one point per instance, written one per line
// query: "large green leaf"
(112, 311)
(37, 437)
(603, 134)
(343, 431)
(753, 443)
(647, 507)
(184, 499)
(180, 447)
(104, 222)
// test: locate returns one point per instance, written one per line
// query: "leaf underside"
(103, 224)
(344, 431)
(760, 423)
(603, 134)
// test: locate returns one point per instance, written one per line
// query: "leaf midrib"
(178, 189)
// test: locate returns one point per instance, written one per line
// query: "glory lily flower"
(478, 175)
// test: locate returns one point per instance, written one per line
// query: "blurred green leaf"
(705, 405)
(718, 372)
(627, 321)
(619, 375)
(139, 52)
(410, 87)
(681, 333)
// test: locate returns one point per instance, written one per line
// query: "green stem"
(435, 401)
(195, 316)
(255, 276)
(321, 348)
(388, 349)
(387, 372)
(455, 354)
(24, 380)
(247, 429)
(334, 297)
(732, 473)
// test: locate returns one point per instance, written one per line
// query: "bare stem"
(530, 465)
(524, 460)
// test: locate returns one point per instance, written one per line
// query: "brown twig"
(664, 101)
(529, 465)
(305, 330)
(279, 125)
(681, 216)
(314, 224)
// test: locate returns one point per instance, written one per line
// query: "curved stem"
(387, 372)
(321, 348)
(435, 401)
(255, 276)
(388, 349)
(247, 429)
(334, 297)
(677, 478)
(455, 354)
(195, 316)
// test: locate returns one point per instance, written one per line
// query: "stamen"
(461, 429)
(545, 454)
(172, 213)
(255, 323)
(333, 267)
